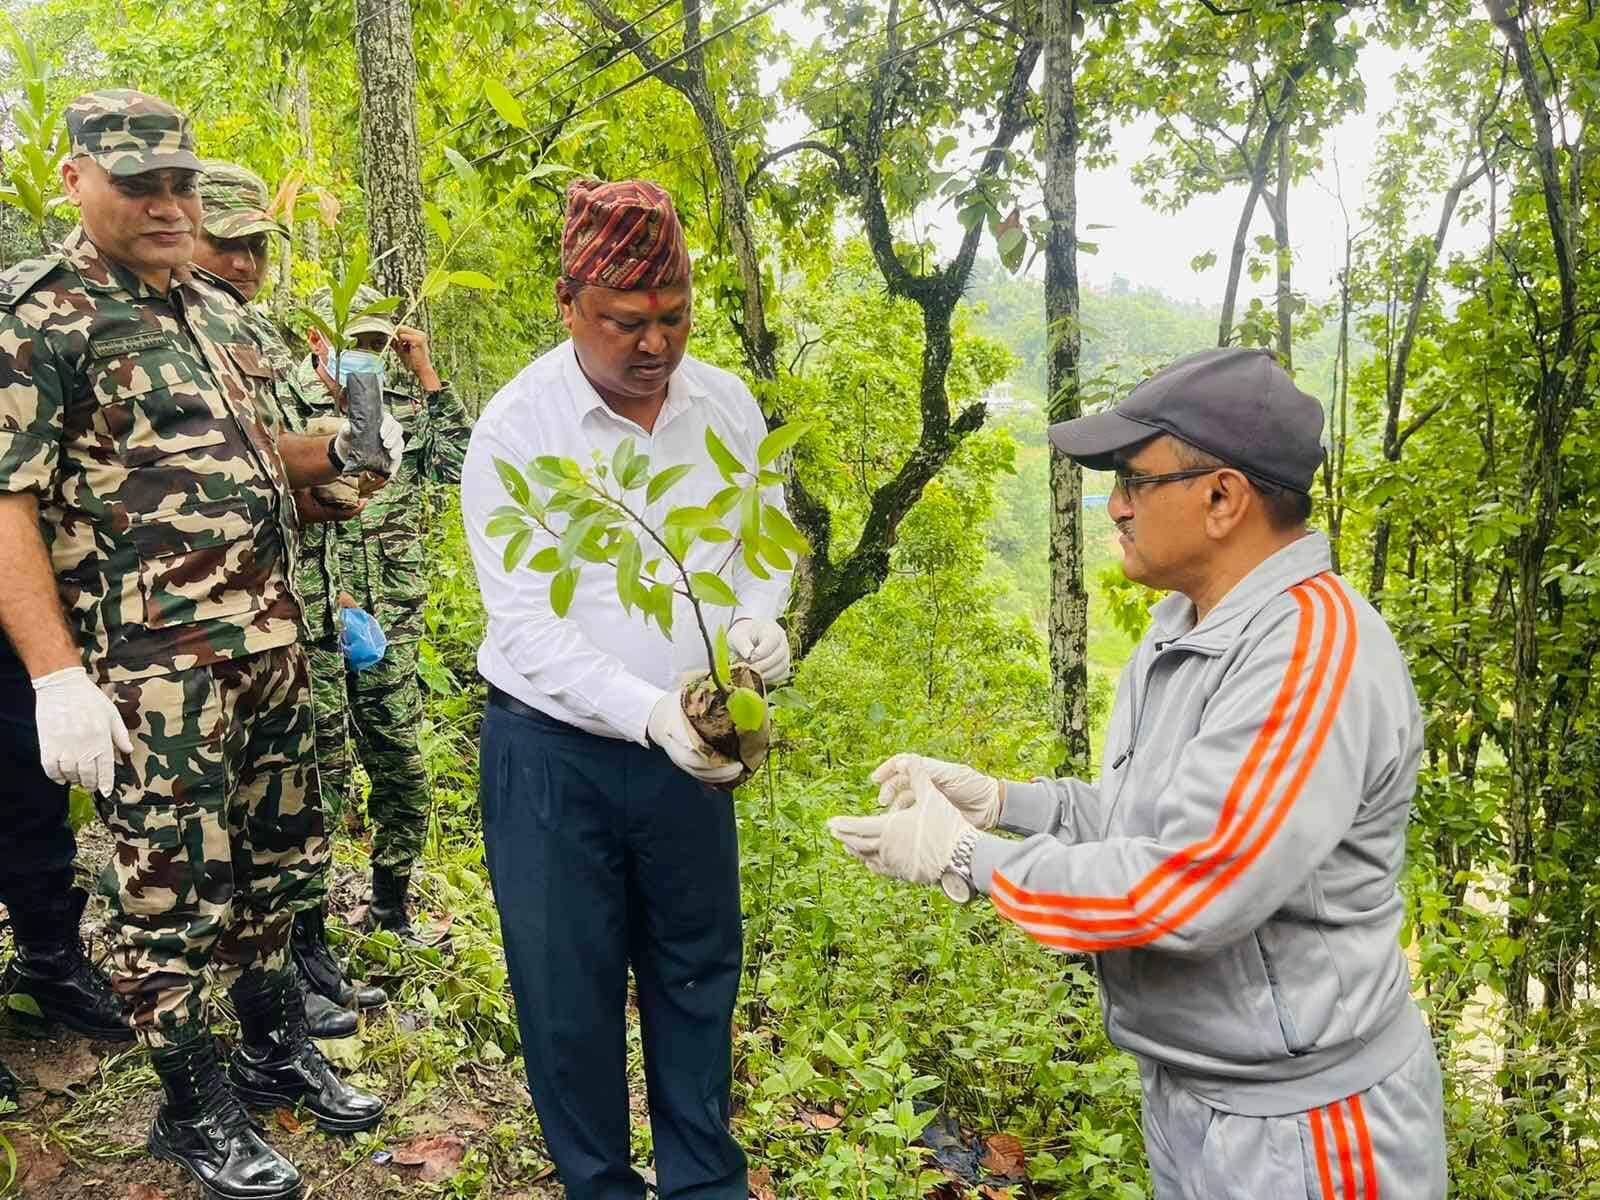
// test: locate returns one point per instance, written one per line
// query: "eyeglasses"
(1126, 481)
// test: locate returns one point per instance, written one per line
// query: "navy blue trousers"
(603, 855)
(36, 869)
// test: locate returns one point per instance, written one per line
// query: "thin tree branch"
(766, 160)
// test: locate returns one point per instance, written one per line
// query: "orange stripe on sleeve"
(1010, 900)
(1241, 782)
(1320, 1141)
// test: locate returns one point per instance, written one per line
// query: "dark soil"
(87, 1106)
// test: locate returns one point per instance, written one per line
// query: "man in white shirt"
(608, 843)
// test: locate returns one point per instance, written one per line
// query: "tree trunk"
(1564, 365)
(390, 152)
(1277, 117)
(1280, 238)
(1339, 414)
(1069, 601)
(1241, 236)
(310, 228)
(1394, 437)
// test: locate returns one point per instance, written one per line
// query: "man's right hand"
(80, 730)
(669, 728)
(979, 797)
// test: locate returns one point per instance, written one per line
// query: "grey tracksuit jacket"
(1235, 868)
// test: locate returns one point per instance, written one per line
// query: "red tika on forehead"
(622, 235)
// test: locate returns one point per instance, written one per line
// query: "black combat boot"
(390, 891)
(205, 1129)
(320, 969)
(51, 966)
(10, 1089)
(277, 1065)
(324, 1018)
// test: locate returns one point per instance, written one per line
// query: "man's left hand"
(915, 844)
(411, 348)
(764, 645)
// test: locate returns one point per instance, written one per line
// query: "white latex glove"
(915, 843)
(670, 729)
(80, 730)
(394, 442)
(980, 798)
(764, 645)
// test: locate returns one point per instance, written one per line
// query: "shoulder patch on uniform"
(130, 343)
(18, 281)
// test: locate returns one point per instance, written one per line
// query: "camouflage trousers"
(218, 833)
(381, 710)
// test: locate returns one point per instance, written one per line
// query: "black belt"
(502, 699)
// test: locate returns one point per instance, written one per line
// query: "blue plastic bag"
(361, 638)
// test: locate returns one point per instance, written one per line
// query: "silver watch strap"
(961, 860)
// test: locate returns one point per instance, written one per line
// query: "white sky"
(1152, 248)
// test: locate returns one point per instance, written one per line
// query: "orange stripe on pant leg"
(1241, 782)
(1232, 872)
(1009, 898)
(1320, 1141)
(1342, 1140)
(1369, 1170)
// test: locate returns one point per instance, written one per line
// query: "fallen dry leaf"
(438, 1156)
(72, 1064)
(356, 917)
(462, 1116)
(819, 1120)
(38, 1166)
(287, 1120)
(761, 1184)
(1004, 1156)
(945, 1191)
(144, 1191)
(990, 1192)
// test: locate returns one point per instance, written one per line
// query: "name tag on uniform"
(128, 343)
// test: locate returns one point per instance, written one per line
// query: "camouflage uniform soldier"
(144, 526)
(234, 247)
(375, 559)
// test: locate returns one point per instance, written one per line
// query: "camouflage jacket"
(377, 555)
(133, 416)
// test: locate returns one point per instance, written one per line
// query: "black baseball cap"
(1236, 404)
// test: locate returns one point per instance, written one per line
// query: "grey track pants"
(1386, 1143)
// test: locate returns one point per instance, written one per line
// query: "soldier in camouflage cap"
(145, 527)
(234, 246)
(235, 201)
(130, 133)
(375, 559)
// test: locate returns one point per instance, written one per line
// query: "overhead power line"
(631, 83)
(817, 93)
(588, 48)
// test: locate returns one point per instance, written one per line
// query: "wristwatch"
(956, 882)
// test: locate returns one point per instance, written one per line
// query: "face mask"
(363, 362)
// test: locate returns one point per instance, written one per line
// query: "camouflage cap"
(235, 201)
(365, 297)
(129, 133)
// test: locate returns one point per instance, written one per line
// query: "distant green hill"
(1128, 330)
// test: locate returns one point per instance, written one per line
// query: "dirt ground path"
(461, 1128)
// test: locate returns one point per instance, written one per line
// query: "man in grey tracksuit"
(1234, 871)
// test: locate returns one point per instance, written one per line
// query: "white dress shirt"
(600, 668)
